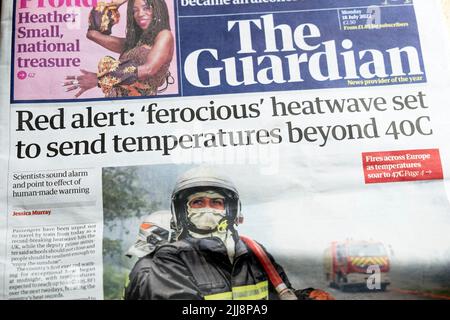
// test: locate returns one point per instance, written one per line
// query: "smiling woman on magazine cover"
(145, 53)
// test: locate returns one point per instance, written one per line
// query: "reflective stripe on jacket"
(200, 269)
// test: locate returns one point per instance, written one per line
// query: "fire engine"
(349, 264)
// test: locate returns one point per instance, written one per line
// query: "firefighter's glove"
(313, 294)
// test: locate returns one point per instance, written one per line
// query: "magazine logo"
(291, 55)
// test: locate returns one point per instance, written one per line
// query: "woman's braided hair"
(135, 35)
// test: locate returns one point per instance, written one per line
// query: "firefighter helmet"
(197, 180)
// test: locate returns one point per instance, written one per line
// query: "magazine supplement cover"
(225, 150)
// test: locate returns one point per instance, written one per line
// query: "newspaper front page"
(329, 117)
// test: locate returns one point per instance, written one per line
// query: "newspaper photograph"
(225, 150)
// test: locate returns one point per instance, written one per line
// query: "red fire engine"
(349, 264)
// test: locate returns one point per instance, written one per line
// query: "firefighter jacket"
(198, 269)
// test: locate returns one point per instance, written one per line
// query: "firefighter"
(209, 260)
